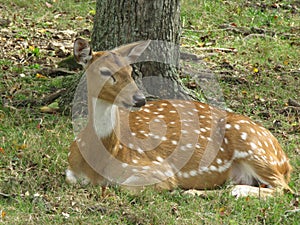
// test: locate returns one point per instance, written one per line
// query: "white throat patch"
(104, 117)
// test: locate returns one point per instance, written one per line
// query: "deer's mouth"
(127, 106)
(132, 107)
(138, 100)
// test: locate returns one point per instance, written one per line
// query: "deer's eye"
(105, 71)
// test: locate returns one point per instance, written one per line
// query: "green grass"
(33, 155)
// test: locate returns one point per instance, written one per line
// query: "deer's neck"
(105, 118)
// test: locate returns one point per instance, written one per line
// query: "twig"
(4, 195)
(44, 101)
(191, 56)
(212, 49)
(290, 109)
(292, 102)
(258, 35)
(292, 211)
(50, 98)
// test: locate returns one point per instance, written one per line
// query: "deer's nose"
(139, 99)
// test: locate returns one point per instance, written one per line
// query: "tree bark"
(119, 22)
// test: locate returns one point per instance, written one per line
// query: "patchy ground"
(252, 48)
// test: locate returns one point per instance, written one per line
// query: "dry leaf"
(38, 75)
(3, 214)
(46, 109)
(255, 70)
(48, 5)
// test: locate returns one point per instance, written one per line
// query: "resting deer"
(166, 143)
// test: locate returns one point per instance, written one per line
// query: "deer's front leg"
(80, 170)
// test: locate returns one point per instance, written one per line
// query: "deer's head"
(109, 73)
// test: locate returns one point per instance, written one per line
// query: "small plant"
(34, 51)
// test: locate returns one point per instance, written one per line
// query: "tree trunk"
(119, 22)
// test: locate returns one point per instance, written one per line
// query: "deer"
(166, 144)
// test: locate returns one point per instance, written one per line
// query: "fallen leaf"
(42, 31)
(222, 211)
(244, 92)
(38, 75)
(46, 109)
(3, 214)
(53, 105)
(66, 215)
(92, 12)
(79, 18)
(255, 70)
(31, 48)
(21, 147)
(48, 5)
(2, 150)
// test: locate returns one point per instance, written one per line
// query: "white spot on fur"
(225, 140)
(197, 131)
(130, 145)
(174, 142)
(244, 121)
(184, 132)
(185, 175)
(203, 130)
(244, 136)
(164, 138)
(193, 173)
(240, 154)
(189, 145)
(213, 168)
(182, 148)
(169, 173)
(219, 161)
(140, 150)
(203, 169)
(227, 126)
(253, 146)
(159, 159)
(156, 137)
(237, 127)
(146, 167)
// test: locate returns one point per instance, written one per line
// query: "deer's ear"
(82, 51)
(132, 51)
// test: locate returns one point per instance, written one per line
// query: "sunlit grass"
(256, 81)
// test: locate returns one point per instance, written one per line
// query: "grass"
(256, 81)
